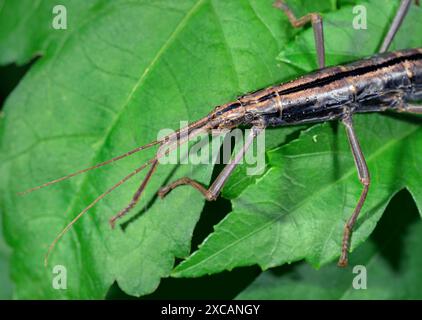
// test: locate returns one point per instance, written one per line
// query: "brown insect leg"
(395, 25)
(413, 108)
(182, 137)
(187, 181)
(317, 25)
(364, 178)
(137, 194)
(213, 191)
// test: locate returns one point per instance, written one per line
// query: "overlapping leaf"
(385, 267)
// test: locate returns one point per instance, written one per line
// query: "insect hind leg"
(364, 178)
(317, 25)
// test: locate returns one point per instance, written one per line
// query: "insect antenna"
(71, 175)
(171, 141)
(70, 224)
(186, 130)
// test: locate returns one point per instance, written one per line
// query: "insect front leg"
(364, 178)
(317, 25)
(136, 196)
(214, 190)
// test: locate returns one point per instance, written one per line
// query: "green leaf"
(391, 259)
(105, 85)
(298, 209)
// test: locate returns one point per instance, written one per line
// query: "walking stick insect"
(386, 81)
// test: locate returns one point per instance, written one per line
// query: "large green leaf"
(120, 72)
(297, 210)
(391, 259)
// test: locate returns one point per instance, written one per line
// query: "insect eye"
(229, 122)
(217, 111)
(248, 116)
